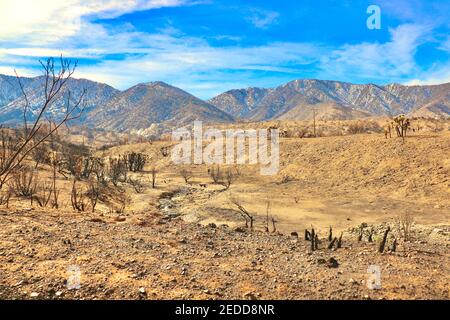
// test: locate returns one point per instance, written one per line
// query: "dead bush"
(356, 127)
(43, 194)
(404, 225)
(135, 161)
(24, 182)
(286, 179)
(137, 184)
(117, 171)
(186, 175)
(5, 196)
(123, 201)
(215, 174)
(164, 151)
(78, 198)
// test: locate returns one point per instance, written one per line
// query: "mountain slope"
(368, 99)
(10, 88)
(143, 105)
(96, 94)
(241, 102)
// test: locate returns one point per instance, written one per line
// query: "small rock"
(34, 295)
(250, 296)
(142, 290)
(332, 263)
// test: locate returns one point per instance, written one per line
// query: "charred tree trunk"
(370, 236)
(307, 235)
(339, 243)
(330, 246)
(383, 242)
(313, 247)
(330, 234)
(316, 242)
(360, 236)
(394, 245)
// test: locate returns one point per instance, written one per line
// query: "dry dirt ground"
(163, 246)
(149, 257)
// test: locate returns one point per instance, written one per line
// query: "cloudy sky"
(210, 46)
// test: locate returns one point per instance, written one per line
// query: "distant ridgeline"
(156, 105)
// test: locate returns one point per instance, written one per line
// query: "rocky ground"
(152, 256)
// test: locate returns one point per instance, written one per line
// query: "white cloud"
(188, 63)
(263, 18)
(438, 74)
(445, 45)
(393, 59)
(48, 21)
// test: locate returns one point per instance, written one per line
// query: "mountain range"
(156, 107)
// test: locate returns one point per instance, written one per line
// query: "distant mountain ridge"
(152, 107)
(294, 100)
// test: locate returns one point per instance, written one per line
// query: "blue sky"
(210, 46)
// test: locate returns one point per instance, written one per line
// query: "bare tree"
(153, 172)
(55, 162)
(230, 178)
(186, 175)
(55, 80)
(248, 217)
